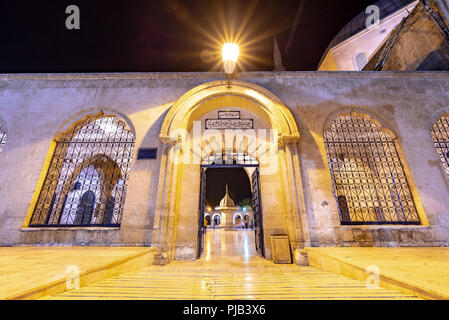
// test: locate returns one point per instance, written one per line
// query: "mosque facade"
(361, 159)
(117, 159)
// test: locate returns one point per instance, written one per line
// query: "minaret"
(277, 57)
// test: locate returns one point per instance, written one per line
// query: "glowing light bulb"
(230, 55)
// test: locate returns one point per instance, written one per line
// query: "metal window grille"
(360, 60)
(2, 139)
(369, 181)
(86, 180)
(440, 136)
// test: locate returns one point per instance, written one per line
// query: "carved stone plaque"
(228, 114)
(229, 120)
(229, 124)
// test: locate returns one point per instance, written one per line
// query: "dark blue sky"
(163, 35)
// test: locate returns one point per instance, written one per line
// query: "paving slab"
(230, 269)
(421, 271)
(230, 279)
(33, 272)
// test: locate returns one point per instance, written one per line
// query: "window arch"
(440, 136)
(368, 177)
(216, 218)
(360, 60)
(237, 218)
(86, 180)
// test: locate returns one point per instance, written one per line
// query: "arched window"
(368, 178)
(2, 137)
(440, 136)
(360, 60)
(237, 219)
(208, 219)
(216, 219)
(86, 181)
(82, 198)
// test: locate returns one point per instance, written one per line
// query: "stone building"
(419, 42)
(354, 45)
(332, 158)
(361, 158)
(228, 214)
(411, 35)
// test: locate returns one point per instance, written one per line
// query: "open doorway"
(230, 215)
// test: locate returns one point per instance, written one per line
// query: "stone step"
(422, 272)
(189, 280)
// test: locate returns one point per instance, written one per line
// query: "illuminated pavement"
(235, 245)
(420, 271)
(33, 272)
(229, 269)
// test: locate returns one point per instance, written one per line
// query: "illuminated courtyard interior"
(228, 224)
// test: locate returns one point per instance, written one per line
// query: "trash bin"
(280, 248)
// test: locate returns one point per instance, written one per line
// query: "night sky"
(169, 36)
(166, 35)
(216, 180)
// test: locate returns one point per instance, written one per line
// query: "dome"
(227, 201)
(358, 24)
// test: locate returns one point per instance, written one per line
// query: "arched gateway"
(218, 118)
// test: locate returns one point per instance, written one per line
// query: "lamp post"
(230, 54)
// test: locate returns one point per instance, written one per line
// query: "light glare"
(230, 52)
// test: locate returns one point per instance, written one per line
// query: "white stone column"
(173, 201)
(299, 215)
(296, 214)
(162, 210)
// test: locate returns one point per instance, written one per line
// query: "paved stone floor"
(425, 268)
(28, 269)
(230, 269)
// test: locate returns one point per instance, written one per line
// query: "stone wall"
(33, 107)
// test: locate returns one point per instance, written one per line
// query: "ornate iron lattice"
(368, 177)
(2, 139)
(440, 136)
(86, 180)
(230, 157)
